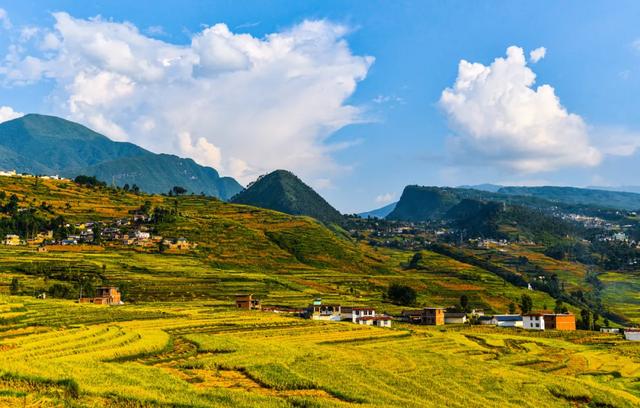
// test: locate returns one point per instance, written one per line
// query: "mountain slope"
(41, 144)
(283, 191)
(159, 173)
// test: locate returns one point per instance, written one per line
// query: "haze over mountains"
(40, 144)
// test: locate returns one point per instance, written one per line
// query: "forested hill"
(283, 191)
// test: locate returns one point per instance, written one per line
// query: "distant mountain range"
(381, 212)
(283, 191)
(40, 144)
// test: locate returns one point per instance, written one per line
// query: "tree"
(560, 307)
(402, 294)
(606, 322)
(415, 260)
(15, 286)
(512, 308)
(177, 190)
(526, 303)
(126, 187)
(464, 303)
(585, 319)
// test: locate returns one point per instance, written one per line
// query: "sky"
(359, 98)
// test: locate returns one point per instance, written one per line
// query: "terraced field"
(206, 355)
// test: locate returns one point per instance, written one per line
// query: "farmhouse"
(411, 316)
(455, 318)
(11, 239)
(549, 321)
(354, 313)
(379, 321)
(560, 321)
(632, 334)
(507, 320)
(533, 321)
(433, 316)
(612, 330)
(106, 295)
(319, 311)
(246, 301)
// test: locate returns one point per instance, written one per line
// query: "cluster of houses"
(13, 173)
(124, 231)
(322, 311)
(432, 316)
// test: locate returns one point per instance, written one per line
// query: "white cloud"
(499, 118)
(4, 19)
(247, 104)
(7, 113)
(385, 198)
(636, 44)
(537, 54)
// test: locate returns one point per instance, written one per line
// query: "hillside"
(282, 191)
(571, 195)
(39, 144)
(285, 258)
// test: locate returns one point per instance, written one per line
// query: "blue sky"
(367, 114)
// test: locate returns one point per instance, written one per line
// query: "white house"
(507, 320)
(141, 235)
(379, 321)
(613, 330)
(354, 313)
(455, 318)
(632, 334)
(533, 321)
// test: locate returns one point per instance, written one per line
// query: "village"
(133, 231)
(430, 316)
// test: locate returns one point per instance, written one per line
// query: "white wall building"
(632, 334)
(533, 321)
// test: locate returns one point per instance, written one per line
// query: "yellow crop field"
(208, 355)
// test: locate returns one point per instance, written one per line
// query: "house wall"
(632, 335)
(433, 317)
(565, 322)
(533, 322)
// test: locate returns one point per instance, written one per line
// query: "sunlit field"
(57, 352)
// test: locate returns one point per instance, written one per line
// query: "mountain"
(572, 195)
(492, 188)
(419, 203)
(41, 144)
(283, 191)
(381, 212)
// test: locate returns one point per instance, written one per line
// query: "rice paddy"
(61, 353)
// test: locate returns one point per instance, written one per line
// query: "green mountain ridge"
(283, 191)
(620, 200)
(41, 144)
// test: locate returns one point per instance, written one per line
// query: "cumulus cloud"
(537, 54)
(385, 198)
(243, 104)
(4, 19)
(7, 113)
(499, 117)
